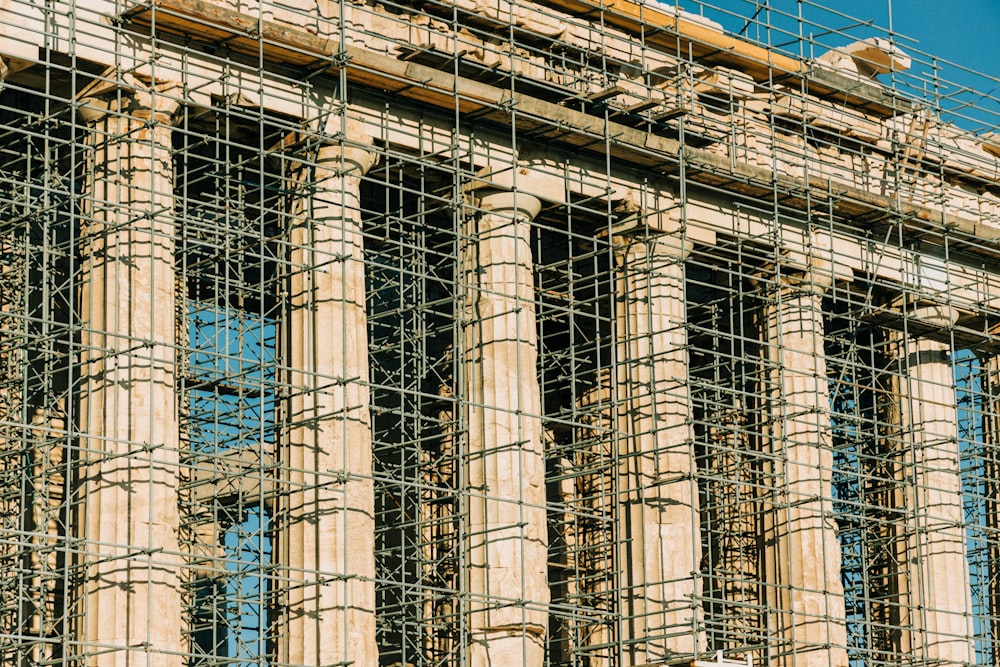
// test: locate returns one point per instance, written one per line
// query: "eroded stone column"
(660, 523)
(596, 477)
(46, 524)
(990, 382)
(802, 552)
(935, 594)
(507, 549)
(327, 530)
(439, 514)
(127, 495)
(14, 618)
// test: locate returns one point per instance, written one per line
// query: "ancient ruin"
(482, 334)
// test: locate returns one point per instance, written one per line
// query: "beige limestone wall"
(327, 539)
(129, 605)
(507, 536)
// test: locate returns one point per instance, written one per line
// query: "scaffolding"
(456, 333)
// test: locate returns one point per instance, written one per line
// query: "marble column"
(659, 514)
(935, 594)
(990, 383)
(127, 495)
(327, 525)
(596, 479)
(16, 618)
(802, 553)
(45, 523)
(33, 378)
(439, 516)
(506, 535)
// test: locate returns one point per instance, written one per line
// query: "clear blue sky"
(964, 32)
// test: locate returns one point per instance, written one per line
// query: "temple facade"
(482, 334)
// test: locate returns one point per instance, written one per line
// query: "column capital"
(805, 260)
(813, 282)
(523, 181)
(658, 238)
(114, 93)
(520, 204)
(663, 245)
(937, 314)
(346, 160)
(329, 152)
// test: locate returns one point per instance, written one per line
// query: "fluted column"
(506, 532)
(935, 594)
(327, 525)
(802, 553)
(127, 496)
(661, 540)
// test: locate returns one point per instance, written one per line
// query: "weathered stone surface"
(802, 555)
(327, 543)
(933, 582)
(661, 547)
(130, 602)
(990, 379)
(507, 544)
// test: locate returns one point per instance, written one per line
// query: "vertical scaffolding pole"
(127, 496)
(327, 536)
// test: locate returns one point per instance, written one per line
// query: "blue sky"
(963, 32)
